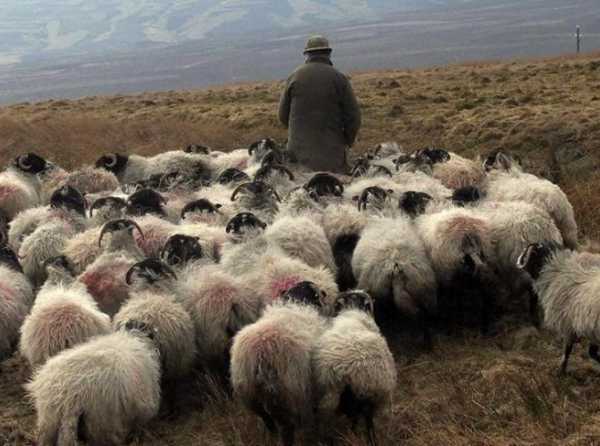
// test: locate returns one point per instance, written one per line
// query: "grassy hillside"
(499, 390)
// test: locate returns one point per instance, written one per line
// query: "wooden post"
(578, 39)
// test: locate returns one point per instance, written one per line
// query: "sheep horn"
(238, 190)
(103, 201)
(138, 229)
(524, 257)
(23, 164)
(285, 170)
(130, 273)
(112, 157)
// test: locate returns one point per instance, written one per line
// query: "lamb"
(391, 258)
(354, 368)
(105, 277)
(153, 302)
(63, 315)
(517, 186)
(271, 370)
(16, 297)
(19, 185)
(120, 392)
(567, 288)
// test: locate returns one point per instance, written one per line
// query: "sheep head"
(355, 299)
(378, 194)
(260, 148)
(232, 175)
(115, 204)
(244, 220)
(323, 184)
(256, 188)
(535, 256)
(414, 203)
(197, 149)
(306, 293)
(145, 201)
(201, 205)
(151, 271)
(267, 170)
(113, 162)
(60, 264)
(31, 163)
(121, 225)
(180, 249)
(68, 198)
(464, 195)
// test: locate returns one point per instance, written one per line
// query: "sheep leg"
(569, 343)
(370, 429)
(593, 352)
(533, 307)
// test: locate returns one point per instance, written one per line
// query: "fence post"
(578, 39)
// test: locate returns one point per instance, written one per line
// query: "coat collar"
(319, 59)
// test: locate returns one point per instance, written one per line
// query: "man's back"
(320, 110)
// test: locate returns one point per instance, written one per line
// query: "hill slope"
(489, 391)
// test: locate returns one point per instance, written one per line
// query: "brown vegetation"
(498, 390)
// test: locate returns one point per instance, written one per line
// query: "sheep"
(48, 240)
(16, 297)
(120, 392)
(414, 203)
(301, 238)
(459, 243)
(517, 186)
(204, 211)
(134, 168)
(353, 366)
(180, 251)
(105, 277)
(19, 185)
(271, 370)
(258, 197)
(514, 225)
(390, 262)
(458, 172)
(567, 288)
(246, 244)
(198, 148)
(220, 304)
(107, 208)
(26, 222)
(274, 273)
(232, 175)
(343, 225)
(152, 301)
(277, 175)
(322, 185)
(156, 232)
(63, 315)
(87, 180)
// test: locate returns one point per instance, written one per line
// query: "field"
(472, 390)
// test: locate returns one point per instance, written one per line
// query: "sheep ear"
(504, 161)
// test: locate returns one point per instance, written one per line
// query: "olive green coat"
(320, 110)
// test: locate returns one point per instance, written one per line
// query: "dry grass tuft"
(501, 390)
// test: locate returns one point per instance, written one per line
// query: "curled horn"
(112, 157)
(23, 164)
(284, 170)
(524, 257)
(169, 271)
(239, 189)
(383, 169)
(107, 228)
(130, 273)
(102, 201)
(274, 192)
(138, 229)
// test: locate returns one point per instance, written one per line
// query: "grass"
(499, 390)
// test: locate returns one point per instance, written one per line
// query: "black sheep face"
(9, 258)
(272, 157)
(68, 198)
(436, 155)
(467, 194)
(150, 271)
(265, 172)
(535, 256)
(113, 162)
(375, 195)
(60, 263)
(232, 175)
(120, 225)
(414, 203)
(361, 167)
(262, 147)
(241, 222)
(355, 299)
(31, 163)
(197, 149)
(145, 201)
(306, 293)
(181, 249)
(201, 205)
(324, 184)
(497, 160)
(115, 204)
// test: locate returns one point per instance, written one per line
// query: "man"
(320, 110)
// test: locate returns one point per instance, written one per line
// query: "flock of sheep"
(117, 280)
